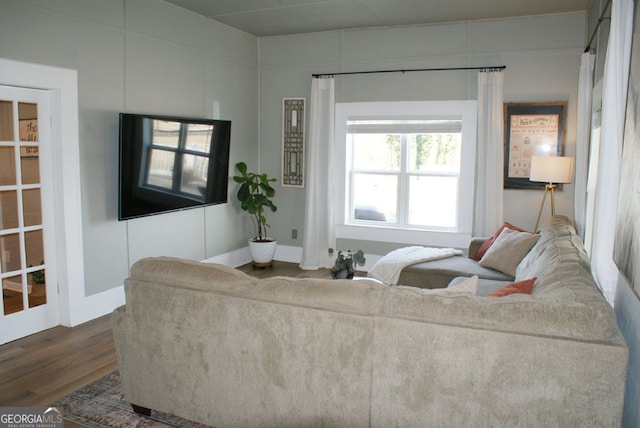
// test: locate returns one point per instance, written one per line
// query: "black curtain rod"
(500, 67)
(595, 30)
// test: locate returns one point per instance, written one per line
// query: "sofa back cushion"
(561, 264)
(360, 297)
(518, 313)
(190, 274)
(241, 352)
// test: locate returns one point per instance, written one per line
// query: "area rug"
(101, 405)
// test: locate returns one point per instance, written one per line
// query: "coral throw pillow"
(485, 246)
(520, 287)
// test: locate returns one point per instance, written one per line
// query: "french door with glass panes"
(27, 247)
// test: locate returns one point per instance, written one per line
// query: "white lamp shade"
(551, 169)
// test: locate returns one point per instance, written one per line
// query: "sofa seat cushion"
(439, 273)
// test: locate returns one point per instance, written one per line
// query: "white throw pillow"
(508, 250)
(469, 285)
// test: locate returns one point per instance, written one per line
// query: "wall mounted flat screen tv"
(171, 163)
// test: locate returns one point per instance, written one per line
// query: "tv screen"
(171, 163)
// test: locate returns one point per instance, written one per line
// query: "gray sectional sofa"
(211, 344)
(451, 271)
(442, 273)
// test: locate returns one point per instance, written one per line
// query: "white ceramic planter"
(262, 252)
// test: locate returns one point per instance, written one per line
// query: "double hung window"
(407, 166)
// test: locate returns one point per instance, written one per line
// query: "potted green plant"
(345, 263)
(255, 195)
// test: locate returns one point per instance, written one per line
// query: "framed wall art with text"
(531, 129)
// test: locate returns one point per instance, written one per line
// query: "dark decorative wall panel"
(293, 121)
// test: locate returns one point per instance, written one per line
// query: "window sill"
(403, 236)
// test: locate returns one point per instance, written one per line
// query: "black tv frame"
(137, 198)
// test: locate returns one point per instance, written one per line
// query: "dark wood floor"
(38, 369)
(284, 269)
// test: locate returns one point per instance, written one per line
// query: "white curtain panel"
(585, 89)
(319, 228)
(614, 96)
(490, 154)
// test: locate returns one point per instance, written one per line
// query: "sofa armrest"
(475, 245)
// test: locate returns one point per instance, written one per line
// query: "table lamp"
(551, 170)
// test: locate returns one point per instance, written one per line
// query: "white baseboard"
(233, 258)
(92, 307)
(288, 253)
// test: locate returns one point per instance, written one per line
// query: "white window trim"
(458, 238)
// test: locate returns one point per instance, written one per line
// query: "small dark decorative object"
(344, 266)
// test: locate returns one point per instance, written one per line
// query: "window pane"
(166, 133)
(28, 121)
(376, 151)
(32, 207)
(10, 252)
(161, 168)
(7, 166)
(194, 175)
(37, 288)
(8, 210)
(34, 248)
(375, 197)
(435, 152)
(433, 201)
(30, 164)
(6, 121)
(199, 137)
(12, 295)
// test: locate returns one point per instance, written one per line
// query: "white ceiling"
(277, 17)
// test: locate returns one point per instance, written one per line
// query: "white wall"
(542, 56)
(140, 56)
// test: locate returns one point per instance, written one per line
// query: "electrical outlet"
(294, 233)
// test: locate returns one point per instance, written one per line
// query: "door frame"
(44, 314)
(62, 87)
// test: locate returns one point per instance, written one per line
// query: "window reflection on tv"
(171, 163)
